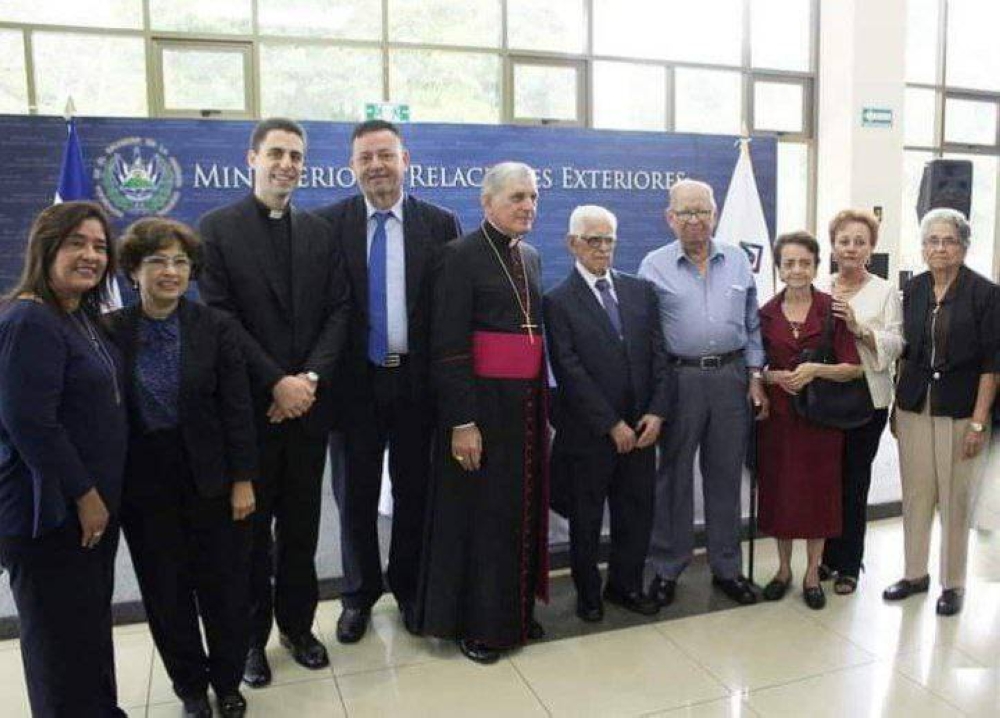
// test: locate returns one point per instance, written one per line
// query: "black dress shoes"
(535, 630)
(589, 611)
(814, 596)
(776, 589)
(232, 705)
(662, 590)
(352, 624)
(478, 652)
(307, 651)
(634, 601)
(197, 706)
(739, 589)
(950, 602)
(256, 670)
(904, 588)
(409, 615)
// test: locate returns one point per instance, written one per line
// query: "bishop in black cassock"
(486, 542)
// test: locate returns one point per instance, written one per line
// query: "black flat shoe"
(232, 705)
(950, 602)
(662, 590)
(409, 615)
(197, 706)
(588, 611)
(814, 596)
(776, 589)
(634, 601)
(904, 588)
(352, 624)
(845, 585)
(535, 630)
(825, 572)
(307, 651)
(478, 652)
(738, 589)
(256, 670)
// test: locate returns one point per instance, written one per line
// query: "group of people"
(201, 429)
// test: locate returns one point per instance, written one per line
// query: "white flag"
(742, 223)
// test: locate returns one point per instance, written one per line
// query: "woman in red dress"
(799, 461)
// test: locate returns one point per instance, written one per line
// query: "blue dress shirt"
(711, 314)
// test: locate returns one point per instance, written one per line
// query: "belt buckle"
(392, 361)
(712, 362)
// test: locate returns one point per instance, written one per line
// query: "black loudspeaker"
(945, 183)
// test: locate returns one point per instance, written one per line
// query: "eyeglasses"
(941, 242)
(159, 262)
(686, 215)
(597, 241)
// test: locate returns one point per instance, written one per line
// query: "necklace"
(103, 356)
(524, 306)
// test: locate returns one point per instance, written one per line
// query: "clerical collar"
(396, 210)
(501, 239)
(269, 213)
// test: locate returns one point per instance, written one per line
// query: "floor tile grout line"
(530, 688)
(340, 695)
(934, 693)
(694, 660)
(396, 666)
(695, 704)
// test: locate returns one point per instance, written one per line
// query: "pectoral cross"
(529, 326)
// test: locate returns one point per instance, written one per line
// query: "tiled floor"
(858, 657)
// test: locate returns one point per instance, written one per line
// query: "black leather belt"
(392, 361)
(713, 361)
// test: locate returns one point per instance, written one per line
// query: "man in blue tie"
(615, 389)
(391, 241)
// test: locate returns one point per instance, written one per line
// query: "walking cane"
(752, 467)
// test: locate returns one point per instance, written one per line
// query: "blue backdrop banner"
(183, 168)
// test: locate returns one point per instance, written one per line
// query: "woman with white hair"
(944, 393)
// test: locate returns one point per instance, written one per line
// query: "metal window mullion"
(29, 71)
(386, 96)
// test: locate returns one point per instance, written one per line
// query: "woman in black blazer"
(944, 392)
(191, 463)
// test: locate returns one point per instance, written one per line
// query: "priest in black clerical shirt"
(485, 553)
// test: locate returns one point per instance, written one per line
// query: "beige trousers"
(934, 474)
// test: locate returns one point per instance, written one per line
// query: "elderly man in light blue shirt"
(708, 310)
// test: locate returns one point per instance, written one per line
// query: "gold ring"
(458, 457)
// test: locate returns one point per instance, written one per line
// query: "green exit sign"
(876, 117)
(389, 111)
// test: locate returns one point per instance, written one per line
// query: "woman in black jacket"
(192, 459)
(944, 393)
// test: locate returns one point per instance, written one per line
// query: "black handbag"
(838, 405)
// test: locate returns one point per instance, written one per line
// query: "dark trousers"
(190, 558)
(626, 481)
(390, 418)
(844, 554)
(289, 496)
(63, 597)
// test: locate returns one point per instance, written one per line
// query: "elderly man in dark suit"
(391, 241)
(615, 391)
(280, 273)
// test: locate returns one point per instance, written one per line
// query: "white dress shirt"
(395, 257)
(591, 279)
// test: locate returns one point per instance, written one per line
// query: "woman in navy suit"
(191, 462)
(62, 448)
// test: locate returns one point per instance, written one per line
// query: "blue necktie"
(610, 305)
(378, 303)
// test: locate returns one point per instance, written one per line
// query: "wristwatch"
(977, 427)
(313, 377)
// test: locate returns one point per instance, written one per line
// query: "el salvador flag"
(74, 181)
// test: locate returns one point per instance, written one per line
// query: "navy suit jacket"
(603, 379)
(426, 229)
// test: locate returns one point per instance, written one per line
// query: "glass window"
(707, 101)
(973, 51)
(910, 257)
(918, 116)
(793, 186)
(445, 22)
(204, 79)
(443, 86)
(545, 92)
(706, 31)
(780, 32)
(921, 40)
(777, 107)
(970, 121)
(13, 77)
(352, 19)
(984, 205)
(316, 82)
(555, 25)
(199, 16)
(112, 81)
(629, 96)
(86, 13)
